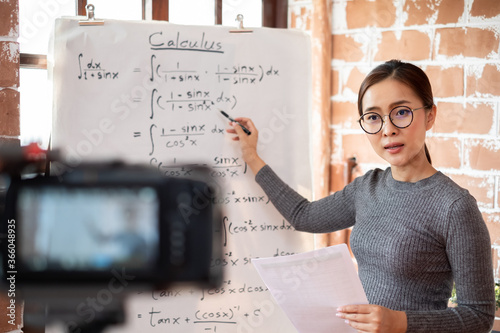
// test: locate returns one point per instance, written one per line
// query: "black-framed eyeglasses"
(400, 116)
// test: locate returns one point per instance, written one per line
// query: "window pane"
(194, 12)
(35, 106)
(250, 9)
(117, 9)
(36, 20)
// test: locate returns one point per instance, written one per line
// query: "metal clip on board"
(90, 17)
(240, 29)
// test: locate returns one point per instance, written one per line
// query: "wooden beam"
(321, 108)
(160, 10)
(218, 12)
(275, 13)
(37, 61)
(81, 4)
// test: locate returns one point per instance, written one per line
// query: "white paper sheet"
(310, 286)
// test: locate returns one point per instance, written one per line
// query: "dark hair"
(406, 73)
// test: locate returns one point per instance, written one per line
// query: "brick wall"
(9, 120)
(9, 70)
(457, 43)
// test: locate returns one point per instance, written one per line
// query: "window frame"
(274, 15)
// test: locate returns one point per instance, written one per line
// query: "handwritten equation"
(178, 89)
(247, 74)
(89, 69)
(225, 318)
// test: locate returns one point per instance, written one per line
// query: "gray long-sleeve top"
(411, 242)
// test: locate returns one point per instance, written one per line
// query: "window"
(36, 20)
(191, 12)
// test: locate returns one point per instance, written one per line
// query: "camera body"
(98, 222)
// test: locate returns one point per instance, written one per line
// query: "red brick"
(498, 126)
(9, 64)
(498, 195)
(488, 83)
(336, 140)
(9, 19)
(357, 145)
(418, 13)
(364, 13)
(481, 188)
(445, 152)
(485, 8)
(344, 47)
(354, 80)
(446, 82)
(9, 112)
(301, 20)
(492, 221)
(5, 326)
(339, 173)
(413, 45)
(335, 82)
(423, 12)
(337, 181)
(483, 154)
(450, 11)
(457, 118)
(345, 114)
(467, 42)
(494, 229)
(11, 141)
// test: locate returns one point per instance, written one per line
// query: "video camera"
(106, 226)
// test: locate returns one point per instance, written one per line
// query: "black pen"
(243, 127)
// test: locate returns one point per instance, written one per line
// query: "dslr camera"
(105, 230)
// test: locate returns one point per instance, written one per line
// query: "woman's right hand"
(248, 143)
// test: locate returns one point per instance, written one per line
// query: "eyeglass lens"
(400, 117)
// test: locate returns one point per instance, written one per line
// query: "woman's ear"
(431, 117)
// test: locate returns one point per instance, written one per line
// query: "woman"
(415, 232)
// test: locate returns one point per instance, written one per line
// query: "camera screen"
(79, 228)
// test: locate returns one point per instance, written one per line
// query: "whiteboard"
(150, 93)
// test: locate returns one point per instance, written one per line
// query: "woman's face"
(401, 147)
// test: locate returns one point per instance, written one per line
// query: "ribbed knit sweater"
(411, 242)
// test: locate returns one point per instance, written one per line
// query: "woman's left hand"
(371, 318)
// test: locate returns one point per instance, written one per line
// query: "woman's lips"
(394, 147)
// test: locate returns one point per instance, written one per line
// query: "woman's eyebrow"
(391, 106)
(371, 108)
(403, 101)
